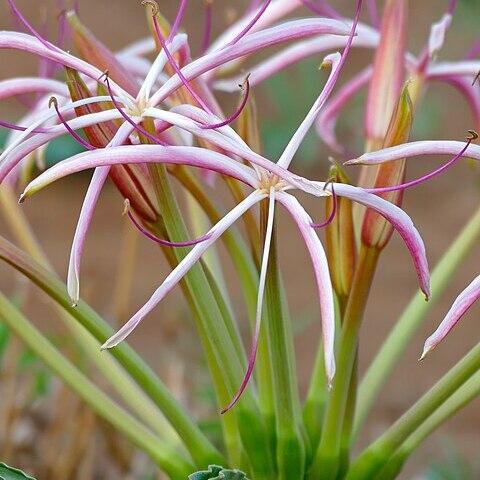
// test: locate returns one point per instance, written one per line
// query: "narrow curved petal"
(22, 85)
(464, 86)
(336, 61)
(86, 214)
(19, 149)
(133, 154)
(229, 140)
(322, 276)
(28, 43)
(260, 295)
(282, 33)
(366, 38)
(278, 10)
(413, 149)
(468, 68)
(159, 64)
(53, 115)
(462, 303)
(400, 221)
(327, 118)
(184, 266)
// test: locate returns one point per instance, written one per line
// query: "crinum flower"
(272, 181)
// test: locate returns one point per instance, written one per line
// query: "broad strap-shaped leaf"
(10, 473)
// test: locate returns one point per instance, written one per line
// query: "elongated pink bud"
(388, 74)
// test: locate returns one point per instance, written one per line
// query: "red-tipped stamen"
(126, 117)
(246, 88)
(12, 126)
(171, 60)
(53, 101)
(332, 213)
(27, 25)
(250, 25)
(207, 29)
(177, 21)
(154, 238)
(436, 172)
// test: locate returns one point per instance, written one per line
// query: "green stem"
(345, 442)
(165, 456)
(401, 335)
(133, 396)
(290, 446)
(326, 462)
(198, 445)
(248, 276)
(218, 334)
(378, 453)
(464, 395)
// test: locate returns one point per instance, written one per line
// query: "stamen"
(178, 19)
(125, 116)
(171, 60)
(332, 213)
(12, 126)
(24, 21)
(246, 88)
(394, 188)
(207, 30)
(53, 101)
(250, 25)
(154, 238)
(153, 5)
(261, 289)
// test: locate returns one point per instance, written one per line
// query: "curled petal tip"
(22, 198)
(74, 304)
(353, 161)
(426, 351)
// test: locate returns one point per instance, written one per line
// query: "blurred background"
(47, 431)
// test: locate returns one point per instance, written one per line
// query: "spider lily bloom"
(123, 92)
(268, 180)
(462, 303)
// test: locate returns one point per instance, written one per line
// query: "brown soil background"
(166, 338)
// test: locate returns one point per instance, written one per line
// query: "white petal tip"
(427, 349)
(22, 198)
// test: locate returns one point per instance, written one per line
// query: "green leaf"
(10, 473)
(215, 472)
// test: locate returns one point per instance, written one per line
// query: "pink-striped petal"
(467, 68)
(192, 156)
(86, 214)
(28, 43)
(327, 118)
(366, 38)
(260, 295)
(23, 85)
(184, 266)
(322, 276)
(12, 156)
(400, 221)
(412, 149)
(462, 303)
(336, 61)
(282, 33)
